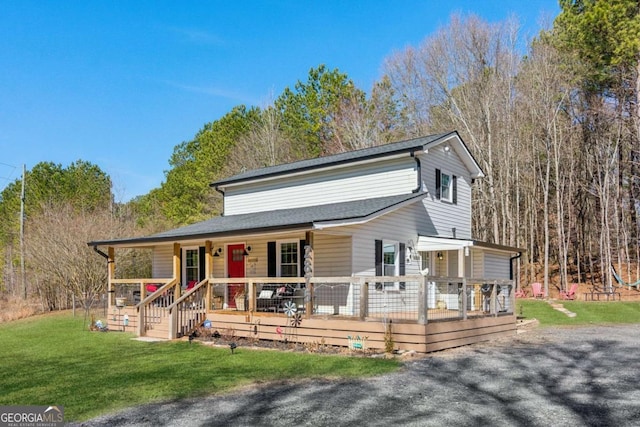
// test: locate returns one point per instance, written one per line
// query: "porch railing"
(153, 310)
(407, 298)
(189, 311)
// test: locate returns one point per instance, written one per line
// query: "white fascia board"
(428, 244)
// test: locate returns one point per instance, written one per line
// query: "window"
(389, 261)
(288, 259)
(191, 265)
(446, 187)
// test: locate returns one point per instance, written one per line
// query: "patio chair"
(521, 293)
(571, 293)
(536, 290)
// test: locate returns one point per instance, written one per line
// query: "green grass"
(586, 312)
(54, 360)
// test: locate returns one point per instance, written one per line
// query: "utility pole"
(22, 270)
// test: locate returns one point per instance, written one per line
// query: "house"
(359, 244)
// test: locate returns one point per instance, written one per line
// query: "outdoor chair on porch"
(571, 293)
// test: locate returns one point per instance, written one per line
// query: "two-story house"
(330, 248)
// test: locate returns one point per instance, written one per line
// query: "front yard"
(53, 360)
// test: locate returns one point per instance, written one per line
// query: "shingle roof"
(282, 219)
(319, 162)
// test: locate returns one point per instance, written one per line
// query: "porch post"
(364, 297)
(309, 284)
(423, 297)
(464, 298)
(177, 268)
(252, 295)
(111, 274)
(208, 271)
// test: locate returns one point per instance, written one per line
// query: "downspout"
(222, 193)
(105, 256)
(513, 258)
(419, 173)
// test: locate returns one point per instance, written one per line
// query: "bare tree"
(60, 263)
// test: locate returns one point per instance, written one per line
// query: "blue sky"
(120, 83)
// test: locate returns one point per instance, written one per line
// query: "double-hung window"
(288, 259)
(390, 262)
(446, 187)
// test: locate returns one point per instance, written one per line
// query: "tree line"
(554, 123)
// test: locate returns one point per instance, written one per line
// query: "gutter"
(419, 172)
(99, 252)
(217, 188)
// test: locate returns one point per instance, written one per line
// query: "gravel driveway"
(587, 376)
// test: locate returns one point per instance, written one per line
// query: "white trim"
(183, 274)
(279, 244)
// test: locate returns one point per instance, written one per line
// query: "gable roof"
(329, 215)
(385, 150)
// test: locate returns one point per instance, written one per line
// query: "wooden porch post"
(309, 299)
(177, 268)
(208, 270)
(423, 297)
(364, 297)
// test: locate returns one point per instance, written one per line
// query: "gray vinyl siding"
(332, 255)
(162, 264)
(478, 263)
(496, 265)
(445, 216)
(357, 182)
(398, 226)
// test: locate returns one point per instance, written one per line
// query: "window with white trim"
(288, 258)
(191, 265)
(390, 263)
(446, 187)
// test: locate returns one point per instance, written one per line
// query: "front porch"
(427, 314)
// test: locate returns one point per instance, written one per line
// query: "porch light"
(217, 252)
(439, 255)
(246, 251)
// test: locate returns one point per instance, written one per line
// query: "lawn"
(54, 360)
(586, 312)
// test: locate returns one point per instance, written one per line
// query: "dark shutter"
(454, 190)
(271, 259)
(301, 258)
(378, 263)
(181, 265)
(402, 268)
(438, 184)
(201, 262)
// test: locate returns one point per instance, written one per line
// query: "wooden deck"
(335, 330)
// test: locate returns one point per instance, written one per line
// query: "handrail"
(187, 294)
(157, 293)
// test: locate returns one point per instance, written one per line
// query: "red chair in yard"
(536, 290)
(571, 293)
(521, 293)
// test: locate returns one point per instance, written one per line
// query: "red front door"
(235, 268)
